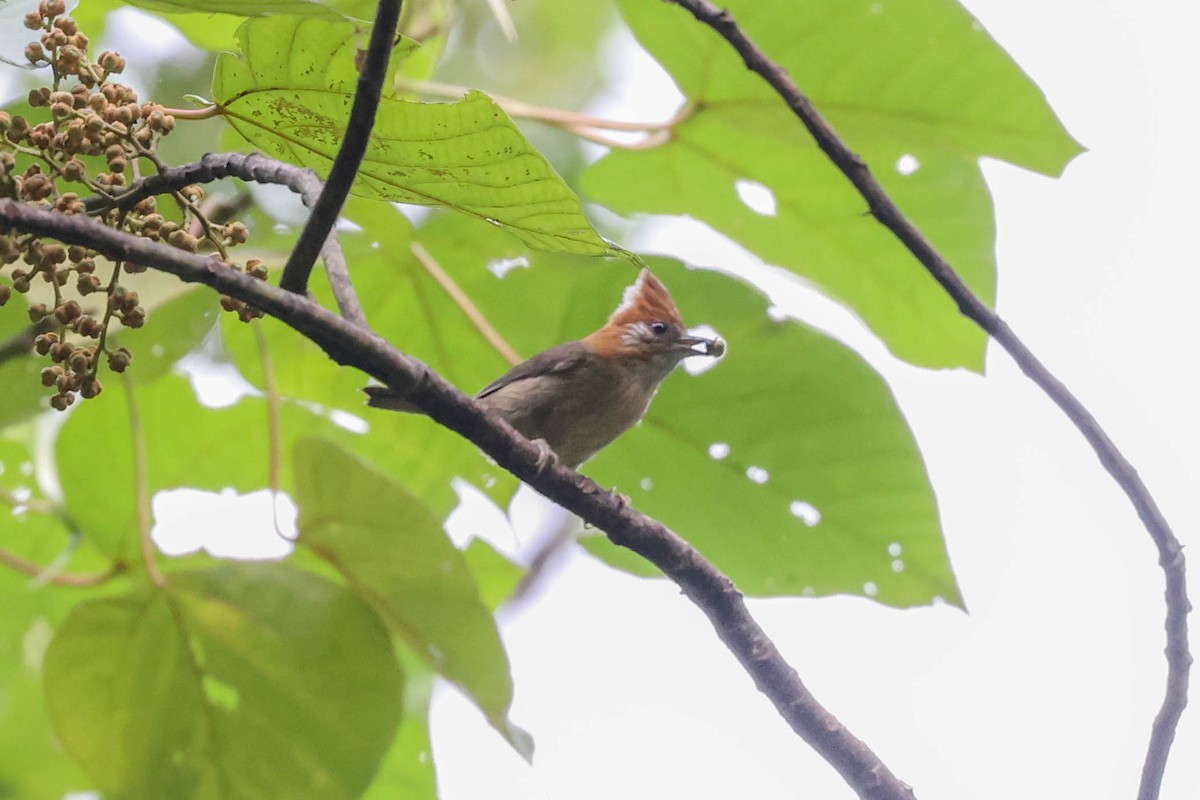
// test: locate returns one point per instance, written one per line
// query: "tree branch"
(354, 346)
(350, 155)
(1170, 553)
(249, 167)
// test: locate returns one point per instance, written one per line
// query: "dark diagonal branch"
(350, 155)
(261, 169)
(353, 346)
(1170, 553)
(21, 342)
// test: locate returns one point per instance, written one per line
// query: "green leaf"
(241, 8)
(870, 69)
(392, 550)
(786, 399)
(821, 436)
(407, 770)
(172, 330)
(95, 454)
(225, 688)
(495, 575)
(290, 95)
(32, 763)
(36, 528)
(23, 394)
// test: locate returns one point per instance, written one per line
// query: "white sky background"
(1048, 688)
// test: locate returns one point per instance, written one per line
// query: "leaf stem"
(576, 122)
(465, 304)
(49, 575)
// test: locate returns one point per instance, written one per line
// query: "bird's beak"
(703, 346)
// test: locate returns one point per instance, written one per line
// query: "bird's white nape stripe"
(636, 332)
(630, 296)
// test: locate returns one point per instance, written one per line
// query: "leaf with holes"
(290, 94)
(788, 464)
(918, 88)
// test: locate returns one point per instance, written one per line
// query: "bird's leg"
(547, 458)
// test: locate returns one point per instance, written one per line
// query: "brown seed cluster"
(84, 143)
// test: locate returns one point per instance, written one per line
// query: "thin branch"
(204, 112)
(249, 167)
(1170, 553)
(351, 345)
(21, 343)
(48, 575)
(554, 116)
(350, 155)
(426, 259)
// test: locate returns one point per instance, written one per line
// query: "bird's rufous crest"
(646, 299)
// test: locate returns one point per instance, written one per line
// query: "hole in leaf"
(756, 197)
(502, 266)
(718, 450)
(907, 164)
(805, 512)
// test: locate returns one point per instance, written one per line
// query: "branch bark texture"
(350, 155)
(260, 169)
(1170, 552)
(354, 346)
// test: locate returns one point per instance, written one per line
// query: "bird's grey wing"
(556, 360)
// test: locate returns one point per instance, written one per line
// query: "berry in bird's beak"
(703, 346)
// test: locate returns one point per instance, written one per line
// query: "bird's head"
(648, 327)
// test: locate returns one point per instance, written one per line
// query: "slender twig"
(1170, 553)
(350, 155)
(21, 343)
(204, 112)
(503, 19)
(48, 575)
(34, 504)
(351, 345)
(465, 304)
(249, 167)
(553, 116)
(274, 466)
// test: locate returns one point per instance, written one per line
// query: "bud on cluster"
(246, 312)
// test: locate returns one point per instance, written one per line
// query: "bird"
(579, 397)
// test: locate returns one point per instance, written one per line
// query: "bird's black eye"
(658, 328)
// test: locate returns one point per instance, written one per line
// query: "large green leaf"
(31, 762)
(795, 479)
(244, 681)
(788, 406)
(392, 550)
(290, 94)
(915, 78)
